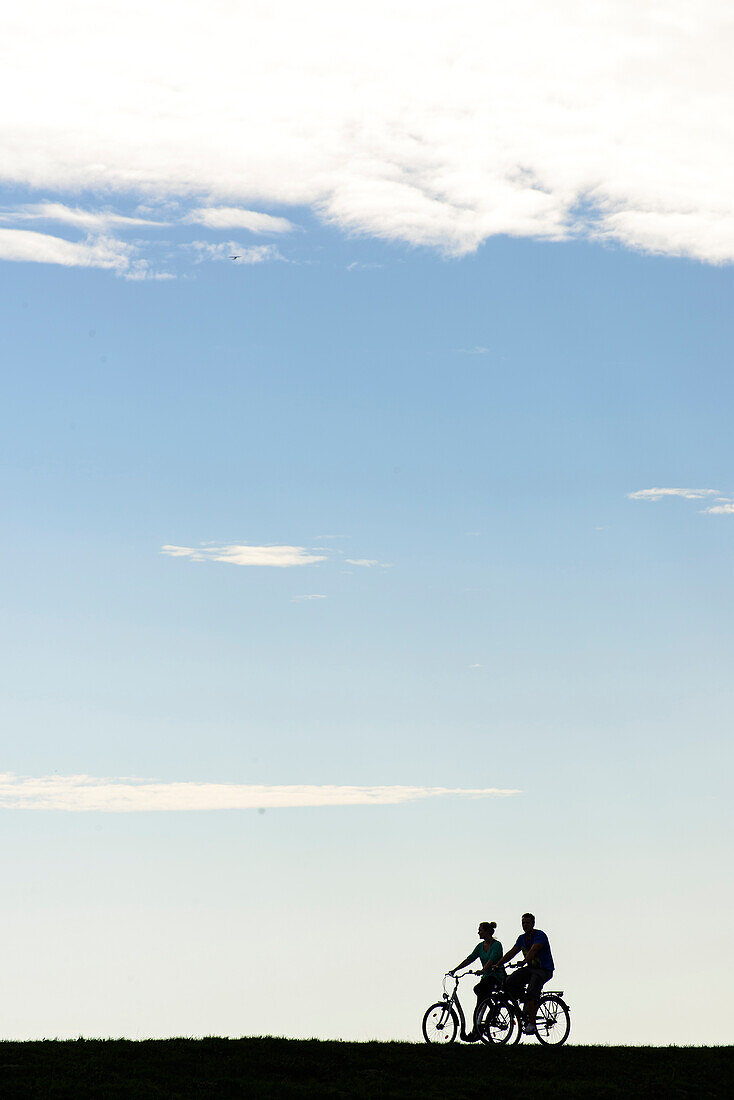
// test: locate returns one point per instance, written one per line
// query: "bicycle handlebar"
(509, 966)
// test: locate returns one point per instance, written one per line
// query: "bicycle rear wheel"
(495, 1020)
(440, 1024)
(552, 1020)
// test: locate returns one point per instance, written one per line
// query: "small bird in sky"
(234, 257)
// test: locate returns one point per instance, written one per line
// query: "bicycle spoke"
(495, 1020)
(439, 1024)
(552, 1021)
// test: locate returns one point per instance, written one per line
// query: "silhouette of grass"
(293, 1069)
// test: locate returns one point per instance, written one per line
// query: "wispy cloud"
(658, 494)
(231, 250)
(99, 250)
(478, 350)
(606, 120)
(367, 563)
(309, 596)
(98, 220)
(80, 793)
(722, 505)
(234, 217)
(26, 245)
(241, 554)
(358, 265)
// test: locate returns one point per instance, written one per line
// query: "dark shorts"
(486, 986)
(529, 979)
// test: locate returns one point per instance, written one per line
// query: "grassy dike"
(270, 1067)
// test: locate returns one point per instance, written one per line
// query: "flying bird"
(234, 257)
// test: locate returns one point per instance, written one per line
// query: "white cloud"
(478, 350)
(658, 494)
(310, 596)
(673, 232)
(83, 219)
(31, 247)
(231, 250)
(368, 563)
(436, 124)
(232, 217)
(239, 554)
(79, 793)
(722, 505)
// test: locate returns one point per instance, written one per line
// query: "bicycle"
(442, 1020)
(552, 1017)
(495, 1019)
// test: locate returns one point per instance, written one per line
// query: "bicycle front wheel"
(516, 1035)
(440, 1024)
(495, 1020)
(552, 1020)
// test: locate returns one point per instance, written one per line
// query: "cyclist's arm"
(508, 955)
(467, 960)
(534, 950)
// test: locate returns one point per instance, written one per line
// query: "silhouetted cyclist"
(489, 953)
(531, 977)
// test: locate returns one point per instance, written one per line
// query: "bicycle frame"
(520, 1008)
(454, 1000)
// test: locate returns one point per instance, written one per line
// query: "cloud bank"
(239, 554)
(433, 124)
(79, 793)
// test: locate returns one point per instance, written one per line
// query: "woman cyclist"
(489, 953)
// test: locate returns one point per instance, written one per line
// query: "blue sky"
(531, 628)
(450, 421)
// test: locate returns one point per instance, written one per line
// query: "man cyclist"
(537, 970)
(489, 953)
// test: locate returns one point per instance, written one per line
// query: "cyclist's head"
(487, 927)
(528, 920)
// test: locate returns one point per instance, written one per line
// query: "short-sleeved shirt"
(490, 955)
(544, 957)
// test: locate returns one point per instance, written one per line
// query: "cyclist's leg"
(536, 980)
(515, 986)
(484, 987)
